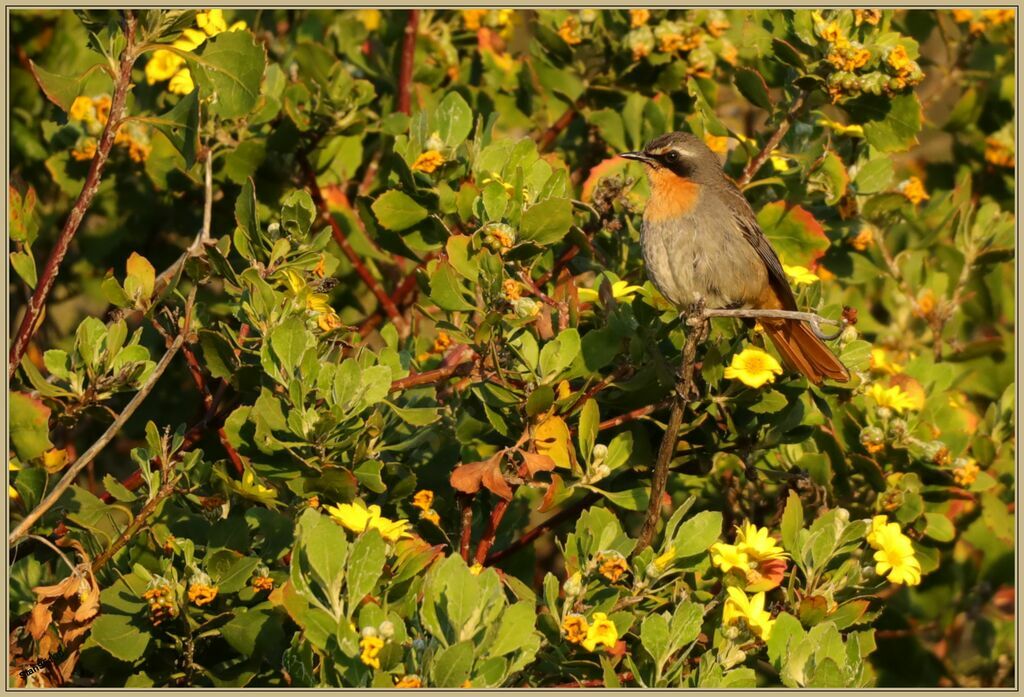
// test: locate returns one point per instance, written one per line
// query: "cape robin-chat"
(701, 243)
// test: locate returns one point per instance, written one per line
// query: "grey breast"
(703, 255)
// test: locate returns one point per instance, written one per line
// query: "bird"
(702, 245)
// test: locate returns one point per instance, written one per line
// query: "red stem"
(82, 203)
(632, 415)
(558, 126)
(557, 519)
(408, 58)
(346, 247)
(487, 541)
(466, 504)
(432, 377)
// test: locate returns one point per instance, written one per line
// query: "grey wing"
(747, 223)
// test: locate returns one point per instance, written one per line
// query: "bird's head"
(681, 155)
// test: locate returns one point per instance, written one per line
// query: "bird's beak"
(639, 156)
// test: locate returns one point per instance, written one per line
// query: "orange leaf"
(535, 462)
(471, 476)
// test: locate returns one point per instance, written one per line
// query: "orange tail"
(802, 351)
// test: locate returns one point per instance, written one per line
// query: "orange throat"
(671, 195)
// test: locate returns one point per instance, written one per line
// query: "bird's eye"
(671, 156)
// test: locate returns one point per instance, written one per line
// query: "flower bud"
(526, 307)
(387, 629)
(884, 413)
(732, 632)
(274, 228)
(573, 585)
(849, 334)
(368, 632)
(434, 142)
(598, 453)
(871, 435)
(652, 570)
(843, 515)
(898, 428)
(588, 16)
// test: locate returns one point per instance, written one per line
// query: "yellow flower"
(12, 493)
(612, 565)
(432, 516)
(864, 238)
(831, 33)
(409, 682)
(739, 608)
(800, 275)
(638, 18)
(357, 518)
(162, 65)
(842, 129)
(965, 474)
(996, 17)
(575, 628)
(369, 18)
(54, 460)
(317, 302)
(872, 17)
(963, 16)
(899, 59)
(666, 558)
(999, 153)
(476, 569)
(621, 290)
(102, 105)
(423, 499)
(913, 189)
(601, 631)
(202, 593)
(473, 18)
(717, 144)
(511, 290)
(893, 398)
(189, 40)
(564, 390)
(181, 83)
(371, 646)
(328, 321)
(82, 110)
(717, 27)
(757, 543)
(428, 161)
(729, 557)
(85, 151)
(466, 684)
(895, 556)
(570, 31)
(262, 583)
(249, 482)
(313, 501)
(211, 21)
(753, 367)
(880, 362)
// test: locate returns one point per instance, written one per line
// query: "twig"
(82, 203)
(165, 490)
(55, 548)
(632, 415)
(555, 520)
(96, 448)
(487, 541)
(549, 136)
(811, 318)
(432, 377)
(466, 519)
(659, 477)
(773, 142)
(339, 236)
(408, 59)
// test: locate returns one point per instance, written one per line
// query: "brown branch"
(487, 541)
(659, 477)
(408, 60)
(549, 136)
(82, 203)
(632, 415)
(96, 448)
(339, 236)
(552, 522)
(432, 377)
(466, 520)
(165, 490)
(773, 142)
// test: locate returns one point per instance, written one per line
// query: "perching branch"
(96, 448)
(811, 318)
(89, 188)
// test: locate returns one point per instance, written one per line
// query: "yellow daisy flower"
(753, 367)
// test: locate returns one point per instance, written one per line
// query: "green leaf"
(752, 86)
(230, 67)
(515, 630)
(770, 402)
(395, 210)
(795, 234)
(256, 632)
(792, 523)
(181, 126)
(326, 548)
(454, 119)
(939, 527)
(451, 667)
(61, 89)
(590, 417)
(654, 636)
(546, 222)
(236, 576)
(25, 265)
(446, 290)
(366, 562)
(698, 533)
(289, 341)
(297, 213)
(890, 124)
(29, 426)
(248, 232)
(874, 175)
(559, 354)
(116, 635)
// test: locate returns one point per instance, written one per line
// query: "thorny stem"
(92, 184)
